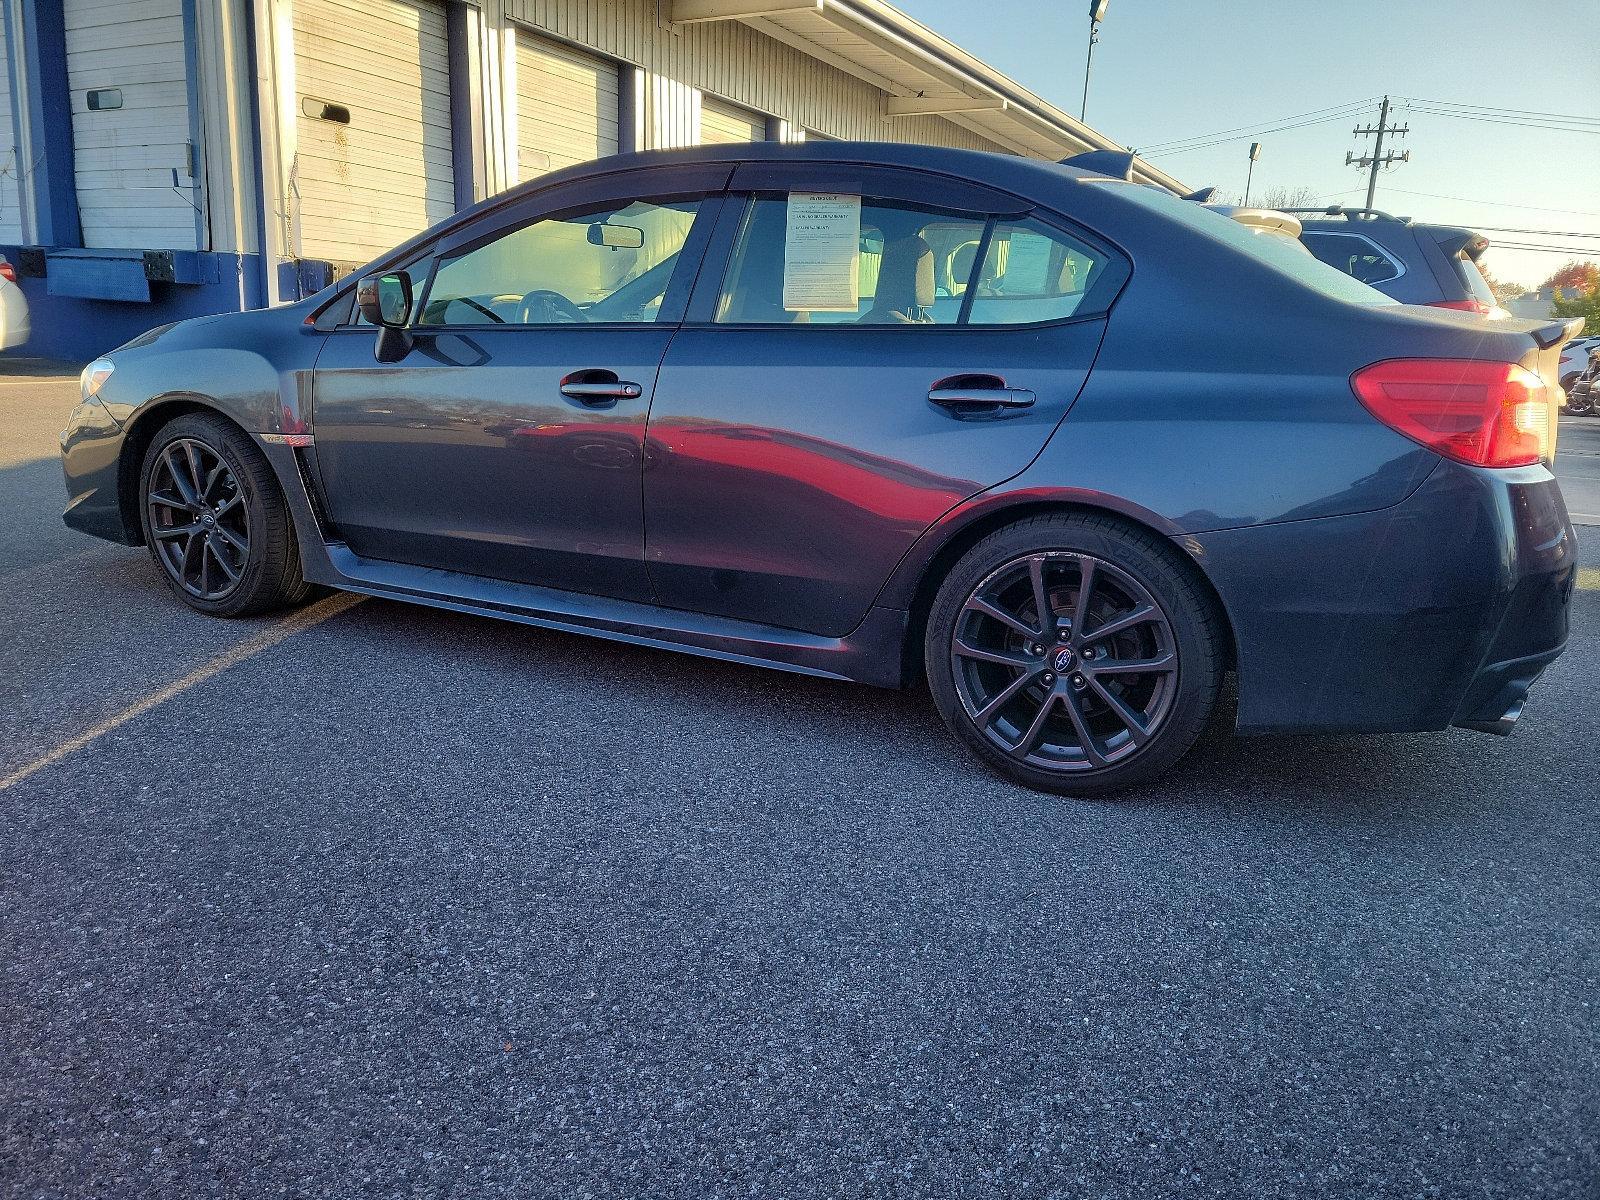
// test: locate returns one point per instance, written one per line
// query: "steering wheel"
(544, 307)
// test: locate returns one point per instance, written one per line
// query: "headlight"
(94, 376)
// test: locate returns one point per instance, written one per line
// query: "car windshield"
(1277, 252)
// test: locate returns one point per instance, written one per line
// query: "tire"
(215, 520)
(1115, 717)
(1581, 406)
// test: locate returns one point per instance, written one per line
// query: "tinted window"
(1032, 272)
(1355, 256)
(828, 259)
(610, 264)
(1273, 251)
(1473, 278)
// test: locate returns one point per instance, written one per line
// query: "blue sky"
(1166, 69)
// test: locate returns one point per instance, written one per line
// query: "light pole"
(1255, 153)
(1097, 13)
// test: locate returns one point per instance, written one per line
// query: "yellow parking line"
(294, 623)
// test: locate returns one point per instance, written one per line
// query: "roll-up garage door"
(134, 162)
(721, 122)
(373, 149)
(566, 106)
(10, 170)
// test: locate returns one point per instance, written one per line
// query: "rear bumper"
(1440, 611)
(1495, 698)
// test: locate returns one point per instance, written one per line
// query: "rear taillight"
(7, 271)
(1471, 306)
(1489, 414)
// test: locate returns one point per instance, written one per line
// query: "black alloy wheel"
(1075, 653)
(215, 520)
(198, 519)
(1065, 661)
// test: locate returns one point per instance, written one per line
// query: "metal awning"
(923, 73)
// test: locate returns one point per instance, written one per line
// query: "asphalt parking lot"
(381, 901)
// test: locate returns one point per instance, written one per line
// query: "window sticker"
(821, 253)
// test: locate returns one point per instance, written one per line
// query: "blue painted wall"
(75, 330)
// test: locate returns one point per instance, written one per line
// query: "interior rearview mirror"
(385, 299)
(617, 237)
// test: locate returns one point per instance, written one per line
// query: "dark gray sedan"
(1066, 446)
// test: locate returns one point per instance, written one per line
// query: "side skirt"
(870, 655)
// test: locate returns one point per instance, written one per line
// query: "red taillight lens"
(7, 271)
(1489, 414)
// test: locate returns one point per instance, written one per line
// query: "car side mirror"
(385, 300)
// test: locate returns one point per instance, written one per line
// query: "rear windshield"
(1278, 252)
(1473, 278)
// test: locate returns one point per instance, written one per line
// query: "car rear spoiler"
(1557, 333)
(1270, 219)
(1462, 241)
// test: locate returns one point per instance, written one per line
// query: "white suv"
(1574, 358)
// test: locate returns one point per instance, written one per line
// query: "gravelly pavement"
(415, 904)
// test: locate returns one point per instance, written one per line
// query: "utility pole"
(1097, 13)
(1255, 153)
(1378, 158)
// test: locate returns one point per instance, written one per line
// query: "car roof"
(1006, 171)
(1024, 177)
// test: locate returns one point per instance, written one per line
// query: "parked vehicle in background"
(1575, 359)
(1415, 263)
(14, 322)
(882, 413)
(1582, 397)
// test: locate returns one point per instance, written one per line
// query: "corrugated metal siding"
(672, 114)
(734, 61)
(10, 163)
(722, 123)
(360, 189)
(125, 157)
(566, 106)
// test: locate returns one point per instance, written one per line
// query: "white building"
(163, 158)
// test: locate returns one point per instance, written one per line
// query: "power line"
(1502, 111)
(1315, 112)
(1181, 148)
(1570, 251)
(1247, 130)
(1571, 212)
(1254, 133)
(1439, 112)
(1502, 229)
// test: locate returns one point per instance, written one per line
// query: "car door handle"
(599, 388)
(979, 393)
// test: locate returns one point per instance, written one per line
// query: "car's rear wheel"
(1074, 653)
(1582, 405)
(215, 520)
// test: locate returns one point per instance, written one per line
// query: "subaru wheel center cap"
(1063, 658)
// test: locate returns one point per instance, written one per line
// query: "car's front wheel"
(215, 520)
(1074, 653)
